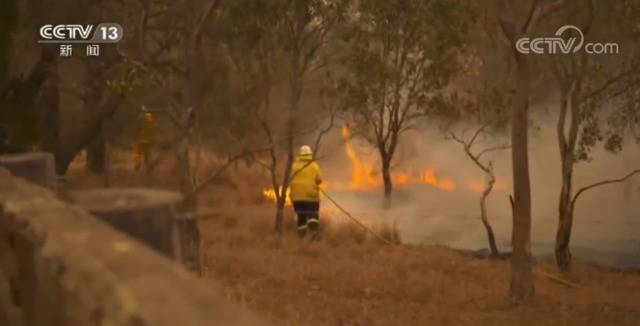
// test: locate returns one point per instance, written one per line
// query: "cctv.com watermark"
(564, 45)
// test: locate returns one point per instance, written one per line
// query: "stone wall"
(37, 167)
(61, 266)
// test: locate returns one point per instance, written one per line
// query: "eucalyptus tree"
(282, 47)
(597, 99)
(403, 54)
(518, 20)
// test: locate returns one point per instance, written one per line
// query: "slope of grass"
(348, 278)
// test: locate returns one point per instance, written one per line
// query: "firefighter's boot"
(302, 231)
(314, 227)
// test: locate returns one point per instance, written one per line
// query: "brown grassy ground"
(348, 278)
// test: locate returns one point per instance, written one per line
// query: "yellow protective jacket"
(146, 128)
(305, 180)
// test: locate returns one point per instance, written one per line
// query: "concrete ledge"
(37, 167)
(61, 266)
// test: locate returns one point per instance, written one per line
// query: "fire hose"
(395, 245)
(358, 222)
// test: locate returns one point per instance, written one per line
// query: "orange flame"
(270, 194)
(362, 175)
(429, 177)
(365, 177)
(401, 178)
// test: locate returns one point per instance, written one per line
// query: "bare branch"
(487, 168)
(142, 25)
(612, 82)
(493, 149)
(456, 139)
(219, 171)
(507, 24)
(172, 116)
(586, 28)
(322, 133)
(263, 164)
(530, 16)
(544, 10)
(467, 150)
(537, 12)
(602, 183)
(478, 132)
(212, 6)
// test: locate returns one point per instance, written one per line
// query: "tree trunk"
(67, 150)
(196, 69)
(96, 148)
(20, 93)
(188, 229)
(296, 83)
(485, 220)
(563, 235)
(49, 101)
(50, 118)
(569, 104)
(184, 168)
(386, 178)
(96, 155)
(279, 225)
(521, 260)
(565, 212)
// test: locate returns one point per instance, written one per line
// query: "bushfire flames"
(365, 177)
(271, 195)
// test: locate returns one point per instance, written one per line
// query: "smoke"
(607, 219)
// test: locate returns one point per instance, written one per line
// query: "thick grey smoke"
(607, 219)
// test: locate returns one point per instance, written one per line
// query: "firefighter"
(145, 138)
(305, 192)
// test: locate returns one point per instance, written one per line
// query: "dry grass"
(349, 278)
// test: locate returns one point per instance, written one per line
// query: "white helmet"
(305, 150)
